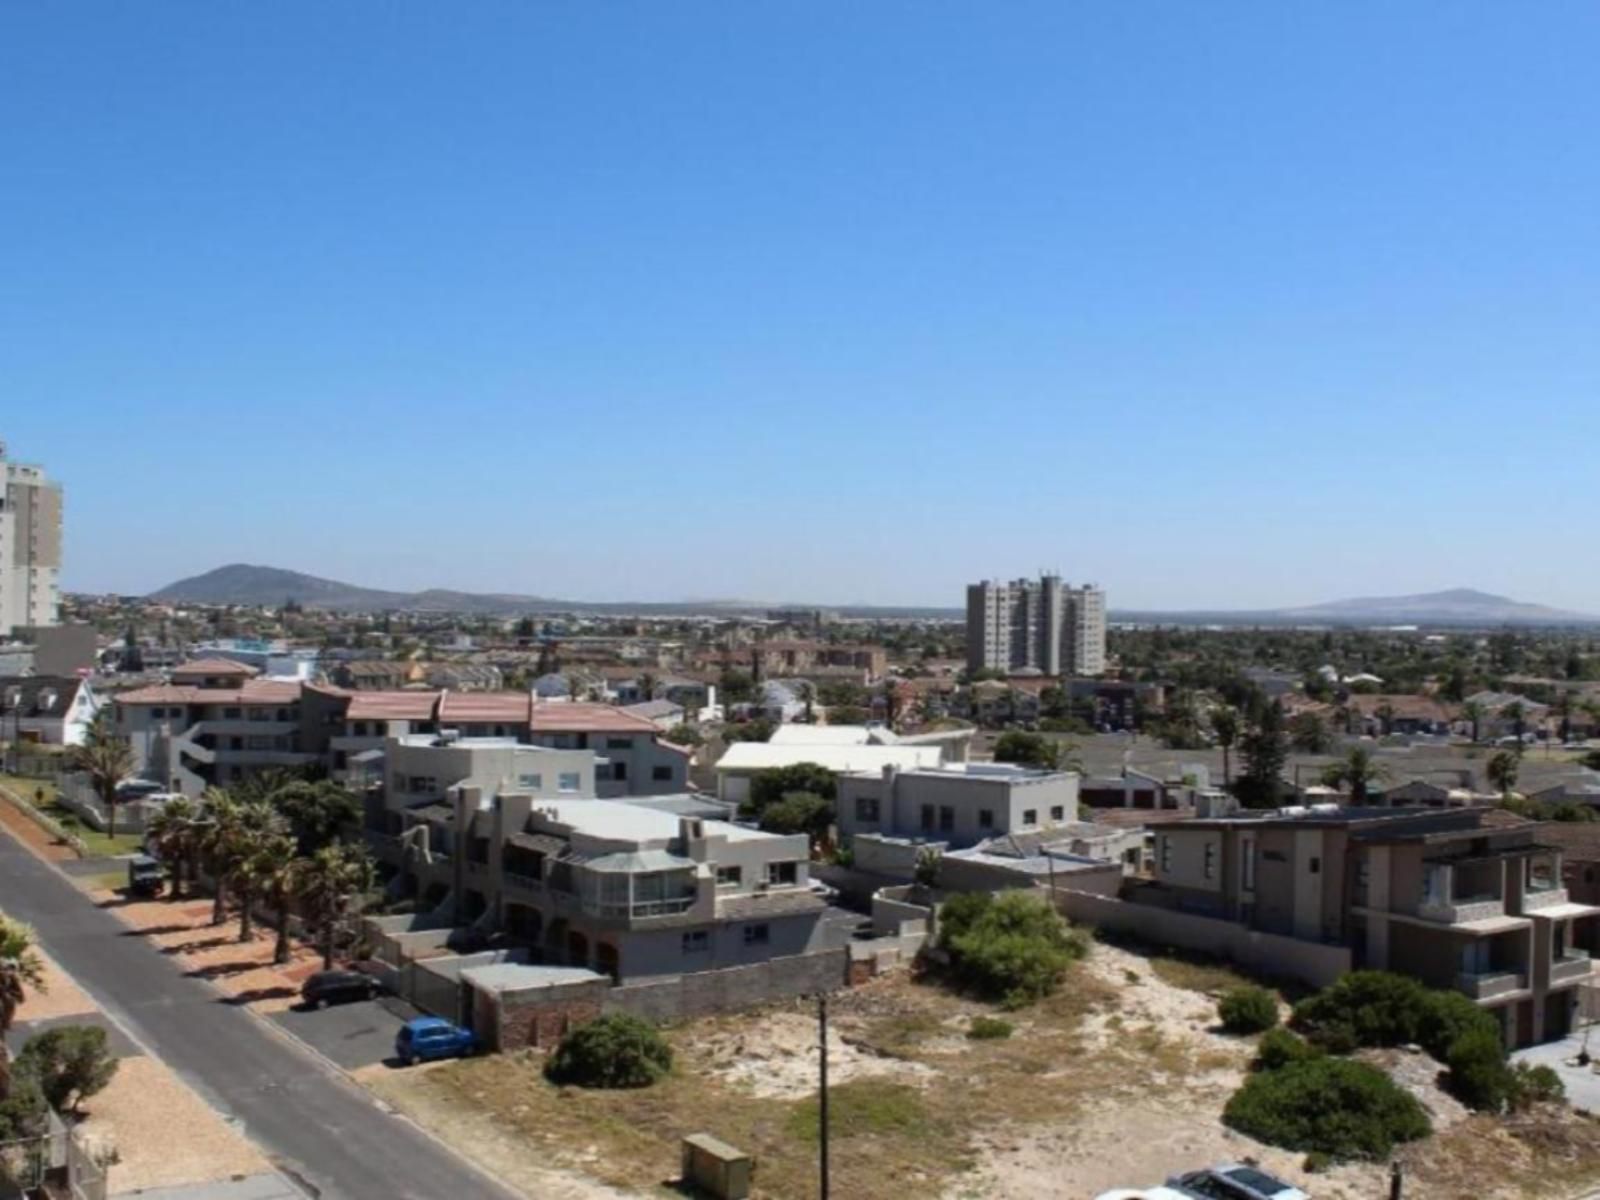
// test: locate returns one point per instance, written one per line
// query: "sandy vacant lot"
(1119, 1080)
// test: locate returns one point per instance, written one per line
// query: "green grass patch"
(96, 843)
(866, 1106)
(988, 1029)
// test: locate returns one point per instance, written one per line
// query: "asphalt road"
(318, 1128)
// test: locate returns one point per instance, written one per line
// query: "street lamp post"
(822, 1094)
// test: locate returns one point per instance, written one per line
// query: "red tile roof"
(506, 708)
(392, 706)
(213, 666)
(567, 717)
(253, 691)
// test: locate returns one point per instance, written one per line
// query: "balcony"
(1572, 967)
(1461, 910)
(1491, 984)
(643, 908)
(1535, 899)
(523, 883)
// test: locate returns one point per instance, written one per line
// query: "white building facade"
(1041, 625)
(30, 547)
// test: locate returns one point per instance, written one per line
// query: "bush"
(70, 1063)
(1446, 1017)
(1331, 1106)
(985, 1029)
(1479, 1076)
(22, 1110)
(1278, 1048)
(1013, 948)
(1248, 1009)
(1535, 1085)
(799, 812)
(613, 1051)
(1364, 1008)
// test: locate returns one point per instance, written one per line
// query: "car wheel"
(320, 1002)
(409, 1060)
(372, 991)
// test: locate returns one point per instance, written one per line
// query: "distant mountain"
(1454, 607)
(240, 583)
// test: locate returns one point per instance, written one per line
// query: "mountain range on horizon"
(245, 584)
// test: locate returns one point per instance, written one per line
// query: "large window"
(530, 780)
(661, 774)
(569, 781)
(696, 941)
(729, 876)
(867, 809)
(779, 873)
(1030, 816)
(757, 935)
(927, 818)
(947, 819)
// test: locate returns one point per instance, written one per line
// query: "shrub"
(985, 1029)
(799, 812)
(1479, 1076)
(22, 1110)
(1364, 1008)
(1248, 1009)
(1279, 1048)
(70, 1063)
(1535, 1085)
(1446, 1017)
(1331, 1106)
(1013, 948)
(1316, 1162)
(613, 1051)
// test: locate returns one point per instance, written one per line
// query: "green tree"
(276, 871)
(1502, 769)
(215, 832)
(256, 826)
(772, 785)
(684, 735)
(325, 884)
(70, 1064)
(1027, 750)
(1225, 728)
(1473, 712)
(175, 836)
(612, 1051)
(1265, 750)
(317, 812)
(1308, 733)
(1357, 772)
(107, 760)
(799, 812)
(1013, 948)
(1331, 1106)
(21, 968)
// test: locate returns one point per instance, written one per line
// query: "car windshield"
(1265, 1184)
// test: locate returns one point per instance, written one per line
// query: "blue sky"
(1216, 304)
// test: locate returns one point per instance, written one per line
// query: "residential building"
(51, 710)
(30, 546)
(506, 837)
(1452, 897)
(957, 804)
(1041, 625)
(786, 657)
(743, 760)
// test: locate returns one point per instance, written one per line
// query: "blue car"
(428, 1038)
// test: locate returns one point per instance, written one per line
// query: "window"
(757, 935)
(531, 780)
(260, 714)
(422, 783)
(358, 729)
(947, 818)
(1363, 871)
(1314, 865)
(619, 743)
(1247, 863)
(730, 876)
(231, 714)
(1030, 816)
(661, 774)
(1210, 866)
(696, 941)
(986, 818)
(782, 872)
(867, 809)
(1166, 854)
(568, 781)
(619, 770)
(927, 817)
(1058, 812)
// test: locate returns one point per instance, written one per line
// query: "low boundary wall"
(732, 988)
(1312, 963)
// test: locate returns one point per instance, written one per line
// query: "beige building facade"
(30, 547)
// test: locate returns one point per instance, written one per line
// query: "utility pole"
(1396, 1180)
(822, 1094)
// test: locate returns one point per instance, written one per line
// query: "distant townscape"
(1326, 881)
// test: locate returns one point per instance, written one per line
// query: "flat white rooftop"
(759, 756)
(620, 821)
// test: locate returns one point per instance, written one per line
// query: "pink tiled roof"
(213, 666)
(392, 706)
(566, 717)
(482, 707)
(254, 691)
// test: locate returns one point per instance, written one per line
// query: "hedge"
(1330, 1106)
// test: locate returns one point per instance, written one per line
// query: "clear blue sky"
(1217, 304)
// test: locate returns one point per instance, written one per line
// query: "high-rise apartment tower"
(30, 546)
(1039, 625)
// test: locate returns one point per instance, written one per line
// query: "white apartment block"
(1038, 625)
(30, 547)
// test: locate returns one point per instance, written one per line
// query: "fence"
(1312, 963)
(57, 1165)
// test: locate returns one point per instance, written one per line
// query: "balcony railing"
(1491, 983)
(643, 908)
(1536, 898)
(1573, 965)
(1460, 911)
(526, 883)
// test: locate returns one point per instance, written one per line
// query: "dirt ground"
(58, 996)
(1118, 1081)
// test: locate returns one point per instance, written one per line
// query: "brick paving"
(244, 970)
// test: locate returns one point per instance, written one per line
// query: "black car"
(337, 987)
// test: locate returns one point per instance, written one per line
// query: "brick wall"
(543, 1017)
(731, 988)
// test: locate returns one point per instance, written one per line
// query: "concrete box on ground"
(716, 1168)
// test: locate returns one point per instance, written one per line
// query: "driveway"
(354, 1035)
(1583, 1084)
(318, 1127)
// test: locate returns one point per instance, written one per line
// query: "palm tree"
(219, 814)
(808, 696)
(107, 760)
(1517, 715)
(174, 834)
(276, 869)
(1358, 771)
(1385, 715)
(1502, 771)
(256, 825)
(20, 969)
(1225, 725)
(324, 884)
(1473, 712)
(647, 685)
